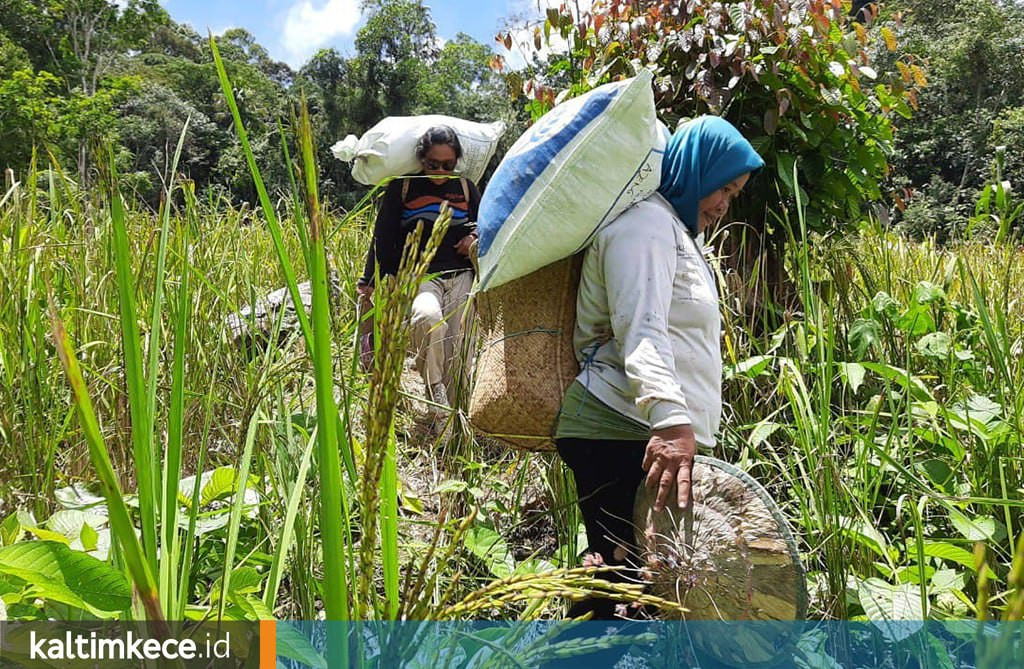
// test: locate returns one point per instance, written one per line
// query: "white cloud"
(308, 27)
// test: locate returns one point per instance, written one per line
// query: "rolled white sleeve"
(639, 265)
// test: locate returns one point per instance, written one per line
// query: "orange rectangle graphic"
(268, 644)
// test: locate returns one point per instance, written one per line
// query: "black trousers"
(607, 473)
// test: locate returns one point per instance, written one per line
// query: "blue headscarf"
(704, 155)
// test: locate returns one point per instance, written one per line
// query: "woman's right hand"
(364, 290)
(668, 461)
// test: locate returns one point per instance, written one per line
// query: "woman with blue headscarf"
(647, 337)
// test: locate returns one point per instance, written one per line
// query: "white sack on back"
(576, 169)
(388, 149)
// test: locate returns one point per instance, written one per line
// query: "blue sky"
(292, 30)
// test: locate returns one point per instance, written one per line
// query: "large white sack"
(576, 169)
(388, 149)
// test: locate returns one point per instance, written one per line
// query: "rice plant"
(258, 472)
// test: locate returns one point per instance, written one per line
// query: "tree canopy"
(78, 74)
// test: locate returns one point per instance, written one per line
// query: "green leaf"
(883, 601)
(220, 485)
(864, 335)
(243, 581)
(80, 496)
(60, 574)
(949, 552)
(937, 471)
(899, 376)
(89, 537)
(926, 293)
(916, 321)
(852, 374)
(485, 543)
(10, 530)
(946, 580)
(786, 164)
(738, 16)
(979, 408)
(935, 345)
(48, 535)
(868, 536)
(883, 304)
(979, 528)
(451, 486)
(69, 522)
(752, 367)
(761, 432)
(293, 645)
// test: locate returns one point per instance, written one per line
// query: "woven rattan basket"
(729, 558)
(526, 358)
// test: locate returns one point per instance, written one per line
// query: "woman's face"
(714, 206)
(439, 160)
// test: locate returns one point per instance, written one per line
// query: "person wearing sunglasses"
(440, 317)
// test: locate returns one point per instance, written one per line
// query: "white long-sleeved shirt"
(648, 325)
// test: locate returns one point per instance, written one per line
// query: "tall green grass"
(893, 449)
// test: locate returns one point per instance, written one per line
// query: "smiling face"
(439, 160)
(714, 206)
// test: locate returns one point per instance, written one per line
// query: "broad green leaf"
(60, 574)
(26, 518)
(916, 321)
(212, 522)
(883, 601)
(883, 304)
(935, 345)
(485, 543)
(864, 335)
(216, 484)
(761, 432)
(947, 580)
(737, 14)
(243, 581)
(926, 293)
(937, 471)
(852, 374)
(69, 522)
(978, 528)
(786, 164)
(293, 645)
(220, 485)
(979, 408)
(81, 496)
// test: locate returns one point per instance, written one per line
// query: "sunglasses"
(446, 165)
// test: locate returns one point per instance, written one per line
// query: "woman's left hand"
(462, 247)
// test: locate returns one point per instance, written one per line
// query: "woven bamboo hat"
(729, 557)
